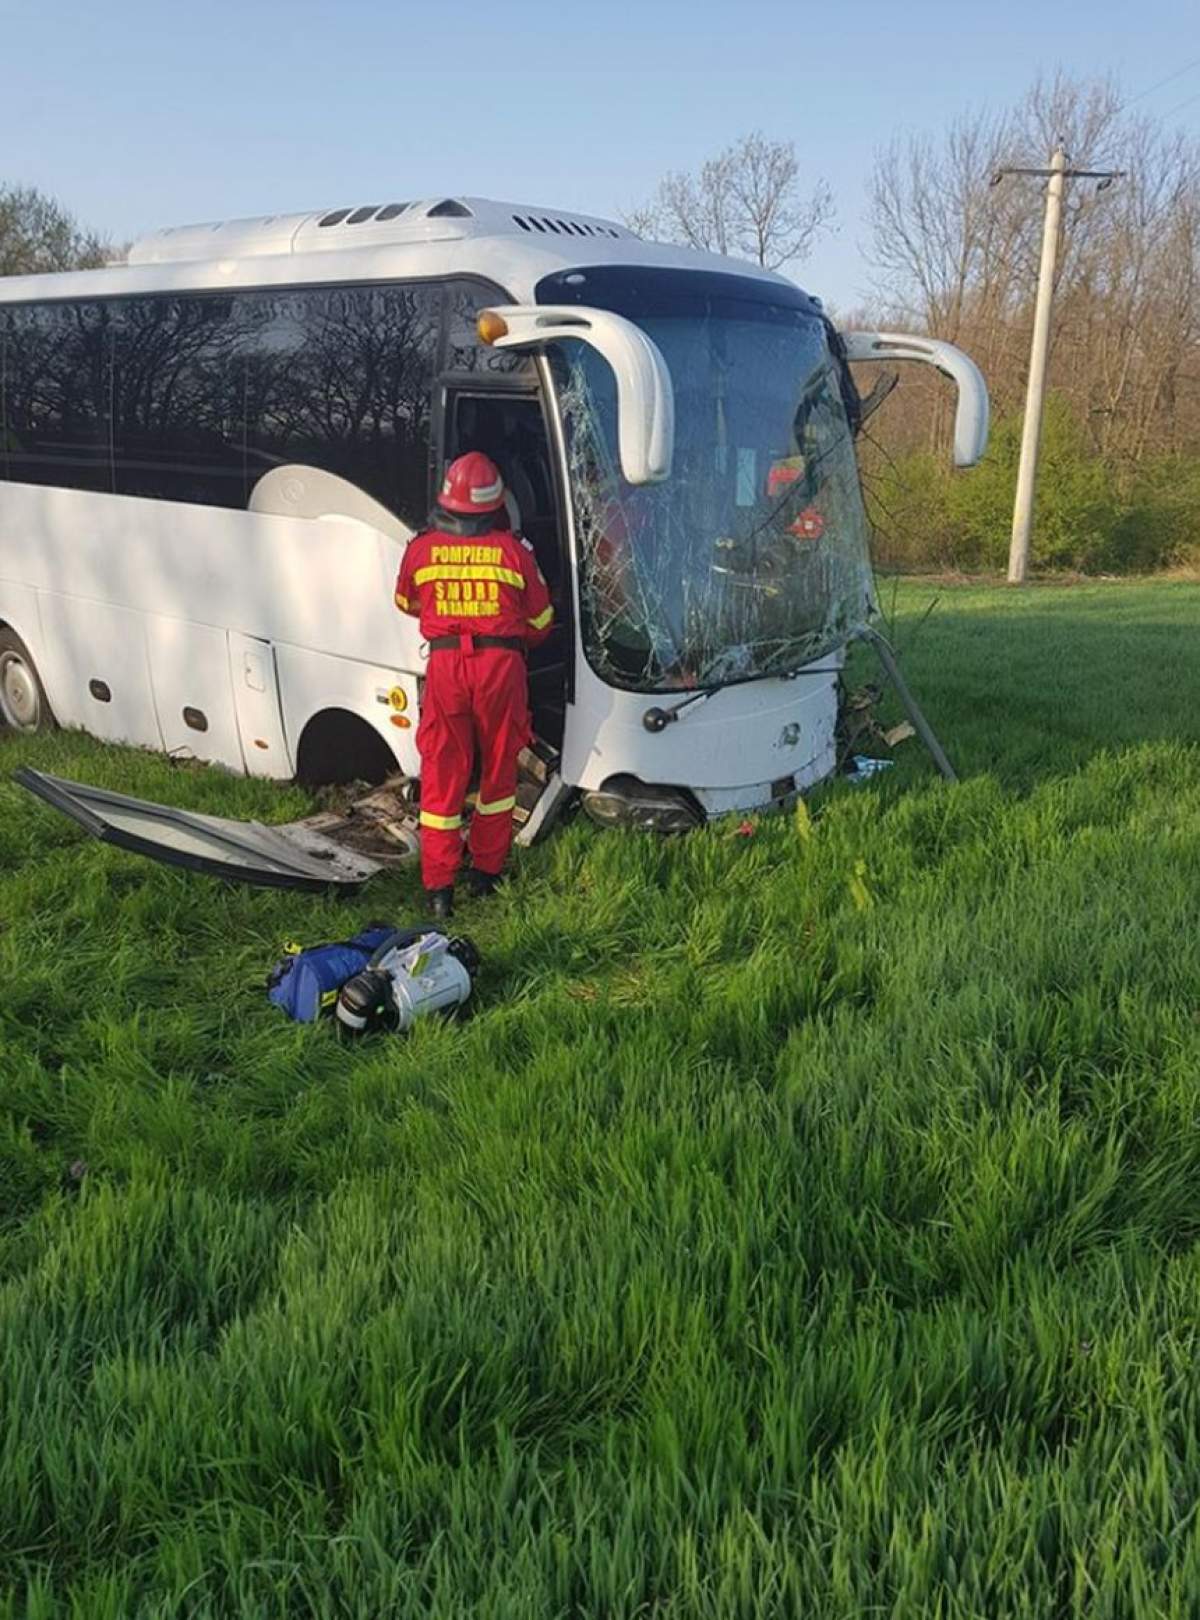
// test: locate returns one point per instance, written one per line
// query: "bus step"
(538, 762)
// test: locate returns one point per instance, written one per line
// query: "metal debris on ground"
(382, 824)
(858, 727)
(866, 767)
(855, 721)
(343, 844)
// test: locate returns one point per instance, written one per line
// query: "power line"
(1182, 105)
(1170, 79)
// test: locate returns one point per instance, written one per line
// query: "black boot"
(440, 903)
(481, 884)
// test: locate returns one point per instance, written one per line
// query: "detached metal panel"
(241, 851)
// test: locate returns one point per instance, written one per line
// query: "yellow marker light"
(491, 326)
(400, 720)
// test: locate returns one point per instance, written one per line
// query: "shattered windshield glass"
(751, 559)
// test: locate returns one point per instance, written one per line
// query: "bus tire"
(23, 705)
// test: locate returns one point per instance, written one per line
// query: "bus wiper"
(659, 719)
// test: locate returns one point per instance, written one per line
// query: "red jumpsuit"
(476, 696)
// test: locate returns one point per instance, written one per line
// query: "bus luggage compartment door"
(259, 716)
(189, 669)
(95, 669)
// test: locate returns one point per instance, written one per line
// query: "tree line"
(956, 254)
(38, 236)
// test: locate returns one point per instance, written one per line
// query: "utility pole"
(1031, 433)
(1057, 174)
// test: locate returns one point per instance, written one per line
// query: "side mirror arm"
(645, 396)
(972, 413)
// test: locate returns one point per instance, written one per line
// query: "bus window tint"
(57, 387)
(194, 396)
(341, 378)
(177, 400)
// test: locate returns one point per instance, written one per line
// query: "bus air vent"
(360, 216)
(448, 208)
(565, 227)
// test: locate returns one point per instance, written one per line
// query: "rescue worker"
(482, 602)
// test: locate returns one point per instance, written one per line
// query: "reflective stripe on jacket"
(487, 585)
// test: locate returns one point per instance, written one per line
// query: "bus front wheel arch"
(23, 703)
(337, 747)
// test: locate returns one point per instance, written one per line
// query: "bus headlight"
(623, 801)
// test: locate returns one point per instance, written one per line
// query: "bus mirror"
(971, 414)
(645, 397)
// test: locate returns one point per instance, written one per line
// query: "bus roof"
(511, 244)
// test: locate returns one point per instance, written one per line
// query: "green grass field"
(804, 1225)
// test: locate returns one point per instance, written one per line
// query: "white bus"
(212, 455)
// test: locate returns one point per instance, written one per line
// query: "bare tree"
(37, 234)
(747, 201)
(958, 256)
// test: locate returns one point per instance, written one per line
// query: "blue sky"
(138, 115)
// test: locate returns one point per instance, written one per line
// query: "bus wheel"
(23, 705)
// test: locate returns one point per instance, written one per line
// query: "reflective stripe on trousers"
(477, 701)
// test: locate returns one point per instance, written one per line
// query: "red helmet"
(472, 484)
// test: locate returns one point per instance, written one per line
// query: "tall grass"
(804, 1223)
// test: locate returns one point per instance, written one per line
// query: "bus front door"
(509, 426)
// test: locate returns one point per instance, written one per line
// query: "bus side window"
(341, 378)
(57, 380)
(177, 400)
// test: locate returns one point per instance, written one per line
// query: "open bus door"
(508, 424)
(505, 419)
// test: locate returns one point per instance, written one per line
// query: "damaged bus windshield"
(751, 559)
